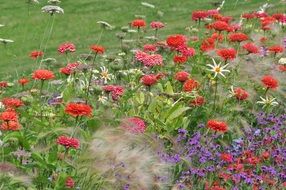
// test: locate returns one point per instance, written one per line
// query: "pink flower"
(66, 48)
(134, 125)
(157, 25)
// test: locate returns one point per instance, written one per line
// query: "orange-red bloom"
(240, 93)
(78, 109)
(23, 81)
(138, 23)
(227, 53)
(36, 54)
(190, 85)
(10, 126)
(149, 80)
(199, 15)
(198, 101)
(237, 37)
(250, 48)
(97, 49)
(175, 41)
(180, 59)
(8, 116)
(43, 74)
(269, 82)
(12, 102)
(276, 49)
(218, 126)
(220, 26)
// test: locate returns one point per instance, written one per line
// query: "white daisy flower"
(218, 69)
(105, 75)
(52, 9)
(102, 99)
(267, 101)
(6, 41)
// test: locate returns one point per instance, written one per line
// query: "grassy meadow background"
(27, 25)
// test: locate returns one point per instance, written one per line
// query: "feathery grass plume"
(54, 2)
(105, 25)
(52, 9)
(33, 1)
(12, 177)
(148, 5)
(124, 159)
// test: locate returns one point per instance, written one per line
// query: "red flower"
(265, 155)
(269, 82)
(282, 68)
(68, 142)
(150, 48)
(97, 49)
(175, 41)
(69, 183)
(180, 59)
(237, 37)
(138, 23)
(149, 80)
(227, 53)
(66, 48)
(248, 15)
(198, 101)
(208, 44)
(219, 126)
(43, 74)
(250, 48)
(12, 102)
(186, 51)
(69, 69)
(3, 84)
(217, 36)
(182, 76)
(276, 49)
(9, 116)
(199, 15)
(78, 109)
(240, 93)
(134, 125)
(157, 25)
(23, 81)
(36, 54)
(226, 157)
(10, 126)
(220, 26)
(190, 85)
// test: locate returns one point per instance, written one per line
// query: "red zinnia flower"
(150, 48)
(78, 109)
(208, 44)
(240, 93)
(66, 48)
(23, 81)
(12, 102)
(219, 126)
(69, 183)
(199, 15)
(10, 126)
(248, 15)
(9, 116)
(180, 59)
(198, 101)
(276, 49)
(36, 54)
(190, 85)
(149, 80)
(157, 25)
(69, 69)
(220, 26)
(227, 53)
(237, 37)
(68, 142)
(134, 125)
(282, 68)
(269, 82)
(226, 157)
(175, 41)
(182, 76)
(43, 74)
(97, 49)
(250, 48)
(3, 84)
(138, 23)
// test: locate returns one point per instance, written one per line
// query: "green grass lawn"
(79, 24)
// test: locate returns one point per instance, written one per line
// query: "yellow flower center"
(217, 69)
